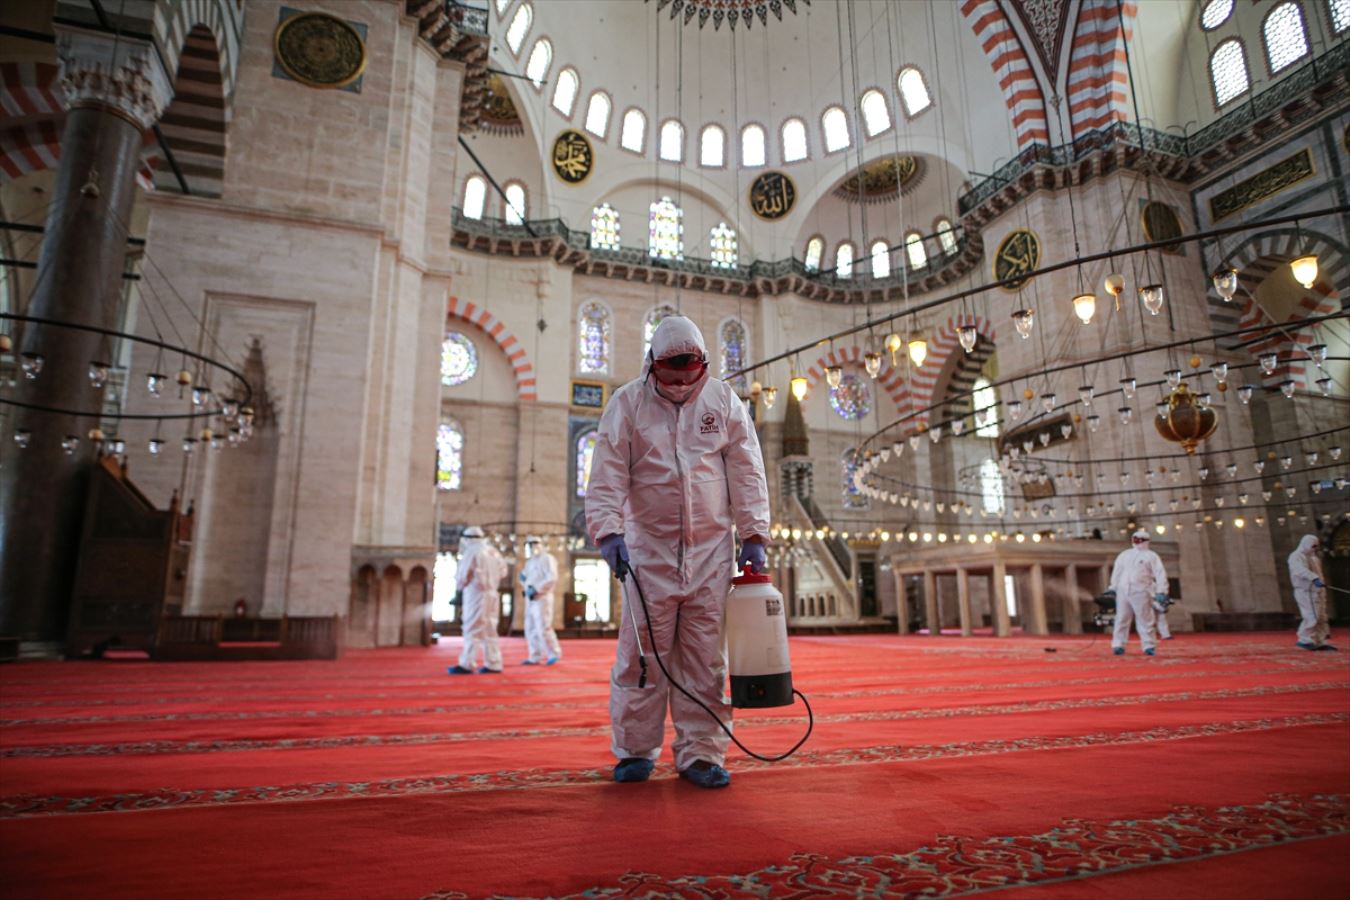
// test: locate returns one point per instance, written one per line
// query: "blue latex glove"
(1160, 597)
(752, 552)
(1319, 583)
(613, 549)
(530, 592)
(522, 577)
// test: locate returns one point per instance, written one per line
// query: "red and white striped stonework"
(28, 90)
(1098, 79)
(944, 353)
(892, 380)
(1021, 91)
(526, 384)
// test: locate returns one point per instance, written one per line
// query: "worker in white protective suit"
(481, 569)
(1139, 580)
(538, 576)
(1310, 593)
(677, 463)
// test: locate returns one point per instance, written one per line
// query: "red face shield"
(1139, 542)
(686, 368)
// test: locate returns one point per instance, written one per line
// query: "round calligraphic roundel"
(772, 195)
(320, 50)
(573, 157)
(1018, 254)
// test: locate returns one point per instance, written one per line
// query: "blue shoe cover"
(706, 775)
(459, 670)
(1304, 645)
(486, 671)
(1148, 652)
(552, 660)
(1118, 651)
(1325, 647)
(633, 769)
(529, 662)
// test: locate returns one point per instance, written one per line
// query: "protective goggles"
(683, 368)
(1139, 540)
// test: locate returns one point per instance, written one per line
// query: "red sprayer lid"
(749, 576)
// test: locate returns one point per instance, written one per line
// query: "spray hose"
(623, 569)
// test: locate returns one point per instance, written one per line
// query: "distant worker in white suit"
(1310, 593)
(539, 575)
(1139, 580)
(481, 569)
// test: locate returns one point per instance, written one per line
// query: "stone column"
(1036, 623)
(1002, 624)
(963, 600)
(1073, 615)
(114, 93)
(901, 602)
(931, 612)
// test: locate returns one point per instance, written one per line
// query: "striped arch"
(1097, 81)
(193, 124)
(945, 357)
(1012, 67)
(1255, 261)
(224, 19)
(892, 380)
(526, 384)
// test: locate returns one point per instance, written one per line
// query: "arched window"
(854, 498)
(540, 59)
(633, 136)
(876, 117)
(815, 249)
(597, 114)
(593, 337)
(752, 146)
(881, 260)
(515, 203)
(843, 260)
(913, 91)
(722, 242)
(735, 354)
(852, 399)
(665, 233)
(585, 453)
(835, 125)
(649, 325)
(794, 140)
(1285, 36)
(1340, 15)
(946, 236)
(459, 359)
(1228, 71)
(450, 456)
(1215, 13)
(712, 147)
(605, 227)
(991, 487)
(918, 256)
(672, 141)
(502, 5)
(475, 196)
(519, 27)
(984, 400)
(565, 92)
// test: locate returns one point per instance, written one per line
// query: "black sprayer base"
(760, 691)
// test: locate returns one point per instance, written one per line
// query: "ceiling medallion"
(1160, 223)
(498, 113)
(772, 195)
(573, 157)
(320, 51)
(1019, 253)
(730, 11)
(882, 179)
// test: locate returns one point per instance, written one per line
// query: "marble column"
(1073, 614)
(901, 602)
(963, 600)
(931, 610)
(1036, 620)
(114, 92)
(1002, 623)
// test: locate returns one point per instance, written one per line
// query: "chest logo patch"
(709, 425)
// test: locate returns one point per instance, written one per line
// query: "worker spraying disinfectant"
(677, 463)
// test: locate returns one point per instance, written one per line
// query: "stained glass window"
(913, 91)
(593, 337)
(540, 58)
(519, 27)
(515, 203)
(585, 453)
(1340, 15)
(634, 134)
(450, 456)
(604, 227)
(672, 141)
(852, 400)
(1215, 13)
(794, 140)
(597, 114)
(815, 248)
(722, 242)
(918, 256)
(991, 487)
(984, 400)
(565, 92)
(459, 359)
(1228, 71)
(843, 261)
(735, 352)
(854, 498)
(712, 146)
(876, 117)
(475, 196)
(835, 125)
(665, 233)
(946, 233)
(649, 325)
(881, 260)
(752, 146)
(1286, 39)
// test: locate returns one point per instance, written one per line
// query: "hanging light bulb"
(918, 350)
(914, 441)
(1022, 321)
(98, 374)
(1231, 469)
(1243, 498)
(1126, 414)
(1085, 394)
(834, 375)
(1259, 466)
(1044, 438)
(1317, 353)
(1324, 385)
(1245, 394)
(1015, 408)
(229, 409)
(154, 383)
(770, 395)
(1152, 297)
(1312, 456)
(1268, 361)
(1305, 269)
(1220, 372)
(1162, 409)
(1334, 452)
(155, 445)
(1204, 472)
(799, 386)
(1048, 402)
(201, 396)
(1085, 307)
(23, 437)
(1286, 462)
(1287, 387)
(1225, 283)
(1128, 386)
(893, 344)
(69, 443)
(1204, 400)
(872, 363)
(958, 426)
(189, 444)
(1065, 430)
(31, 363)
(1173, 377)
(1094, 422)
(967, 335)
(935, 433)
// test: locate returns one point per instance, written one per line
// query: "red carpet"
(939, 767)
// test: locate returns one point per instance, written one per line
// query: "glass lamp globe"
(1245, 394)
(799, 385)
(1126, 414)
(1094, 422)
(23, 437)
(871, 362)
(98, 374)
(1225, 283)
(1085, 307)
(1152, 297)
(154, 383)
(1048, 402)
(1287, 387)
(770, 395)
(1085, 394)
(1268, 361)
(1317, 353)
(1128, 386)
(1305, 269)
(967, 335)
(918, 350)
(31, 363)
(1173, 377)
(834, 375)
(1023, 320)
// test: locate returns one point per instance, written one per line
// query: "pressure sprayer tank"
(757, 647)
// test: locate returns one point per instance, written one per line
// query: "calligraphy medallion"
(319, 50)
(772, 195)
(573, 157)
(1018, 254)
(1161, 224)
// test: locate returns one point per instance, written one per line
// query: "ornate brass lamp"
(1186, 422)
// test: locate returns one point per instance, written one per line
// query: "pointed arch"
(890, 379)
(941, 364)
(521, 367)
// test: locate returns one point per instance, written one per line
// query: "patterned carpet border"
(27, 805)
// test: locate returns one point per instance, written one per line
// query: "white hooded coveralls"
(673, 478)
(1305, 566)
(1137, 575)
(541, 573)
(481, 569)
